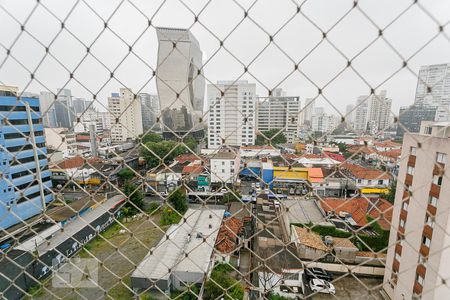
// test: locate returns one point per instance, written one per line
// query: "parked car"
(318, 273)
(253, 185)
(322, 286)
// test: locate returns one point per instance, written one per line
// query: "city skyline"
(136, 74)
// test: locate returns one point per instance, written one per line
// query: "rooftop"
(365, 173)
(343, 243)
(360, 208)
(310, 239)
(196, 235)
(228, 235)
(224, 155)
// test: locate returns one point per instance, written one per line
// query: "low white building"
(167, 267)
(259, 151)
(224, 167)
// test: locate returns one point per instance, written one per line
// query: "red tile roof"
(387, 144)
(70, 163)
(360, 208)
(228, 235)
(364, 173)
(192, 169)
(395, 153)
(189, 157)
(335, 156)
(258, 148)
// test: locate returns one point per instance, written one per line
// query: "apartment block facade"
(24, 176)
(418, 254)
(231, 114)
(433, 85)
(126, 116)
(372, 113)
(279, 112)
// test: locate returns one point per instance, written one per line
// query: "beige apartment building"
(418, 260)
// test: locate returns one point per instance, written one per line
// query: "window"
(422, 259)
(410, 170)
(380, 181)
(359, 180)
(412, 150)
(402, 223)
(437, 180)
(405, 206)
(426, 241)
(419, 279)
(432, 200)
(428, 130)
(441, 157)
(429, 221)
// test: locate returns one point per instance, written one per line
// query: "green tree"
(390, 196)
(273, 136)
(178, 200)
(169, 216)
(154, 152)
(135, 197)
(151, 137)
(191, 143)
(125, 174)
(221, 281)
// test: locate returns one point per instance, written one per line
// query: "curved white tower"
(180, 84)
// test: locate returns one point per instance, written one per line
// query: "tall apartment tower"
(231, 115)
(126, 116)
(65, 111)
(48, 111)
(23, 159)
(307, 112)
(323, 122)
(150, 111)
(372, 113)
(279, 112)
(180, 82)
(433, 85)
(419, 254)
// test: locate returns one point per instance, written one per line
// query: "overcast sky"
(299, 41)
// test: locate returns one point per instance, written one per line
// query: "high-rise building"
(80, 105)
(410, 117)
(126, 115)
(48, 111)
(231, 114)
(350, 114)
(105, 118)
(23, 159)
(418, 252)
(150, 111)
(372, 113)
(279, 112)
(307, 112)
(433, 85)
(323, 122)
(180, 81)
(65, 113)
